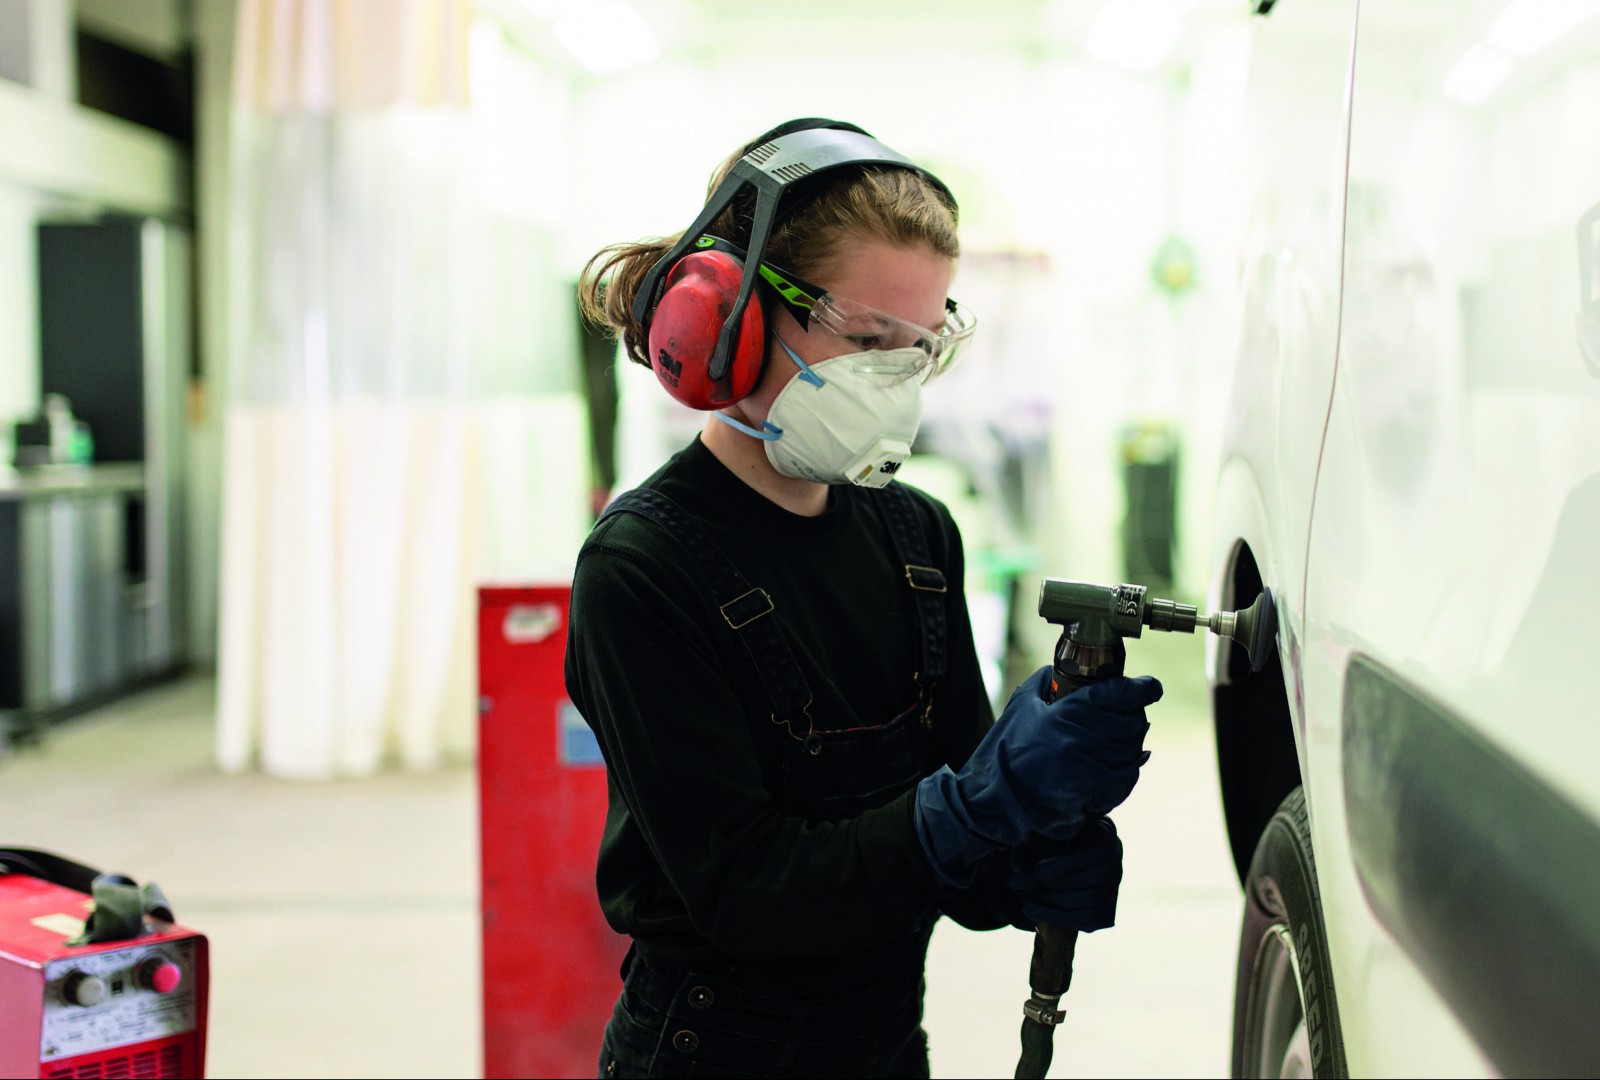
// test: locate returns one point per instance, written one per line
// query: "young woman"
(769, 639)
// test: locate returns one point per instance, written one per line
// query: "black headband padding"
(807, 123)
(796, 194)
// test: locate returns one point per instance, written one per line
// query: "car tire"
(1286, 1018)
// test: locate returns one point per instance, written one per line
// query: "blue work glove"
(1072, 885)
(1040, 771)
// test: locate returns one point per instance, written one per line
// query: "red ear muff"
(699, 295)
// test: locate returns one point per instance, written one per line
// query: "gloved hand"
(1041, 770)
(1072, 885)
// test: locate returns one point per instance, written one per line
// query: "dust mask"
(850, 418)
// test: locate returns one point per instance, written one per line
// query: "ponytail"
(607, 286)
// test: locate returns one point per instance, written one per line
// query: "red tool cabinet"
(549, 959)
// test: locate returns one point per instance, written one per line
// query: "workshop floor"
(344, 926)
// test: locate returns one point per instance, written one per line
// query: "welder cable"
(1049, 976)
(119, 903)
(47, 866)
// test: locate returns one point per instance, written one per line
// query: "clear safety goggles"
(920, 352)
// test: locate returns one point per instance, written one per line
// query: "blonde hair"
(889, 203)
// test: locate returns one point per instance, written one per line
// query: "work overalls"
(672, 1022)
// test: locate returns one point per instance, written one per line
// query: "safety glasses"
(911, 350)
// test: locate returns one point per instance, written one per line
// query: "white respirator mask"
(847, 419)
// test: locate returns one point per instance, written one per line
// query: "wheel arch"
(1258, 763)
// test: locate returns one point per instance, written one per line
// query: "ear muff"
(698, 296)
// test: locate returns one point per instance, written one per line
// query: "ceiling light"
(607, 36)
(1527, 26)
(549, 9)
(1136, 34)
(1476, 75)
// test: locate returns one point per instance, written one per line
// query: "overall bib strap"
(927, 584)
(746, 609)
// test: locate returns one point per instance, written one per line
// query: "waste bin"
(550, 961)
(1150, 483)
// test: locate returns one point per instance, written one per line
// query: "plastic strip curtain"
(348, 508)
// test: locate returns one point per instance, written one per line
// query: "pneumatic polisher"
(1094, 619)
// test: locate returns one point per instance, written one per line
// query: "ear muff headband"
(770, 169)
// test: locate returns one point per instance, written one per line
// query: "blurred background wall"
(1092, 148)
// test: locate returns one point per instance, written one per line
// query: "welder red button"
(162, 976)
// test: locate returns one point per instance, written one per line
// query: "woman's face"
(908, 282)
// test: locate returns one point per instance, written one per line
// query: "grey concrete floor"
(343, 916)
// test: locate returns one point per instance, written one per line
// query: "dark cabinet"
(91, 561)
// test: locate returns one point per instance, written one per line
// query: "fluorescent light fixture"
(607, 36)
(550, 9)
(1476, 75)
(1526, 26)
(1136, 34)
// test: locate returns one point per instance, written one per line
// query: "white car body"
(1412, 464)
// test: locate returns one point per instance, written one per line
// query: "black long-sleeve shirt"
(698, 863)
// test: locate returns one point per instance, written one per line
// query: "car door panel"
(1453, 543)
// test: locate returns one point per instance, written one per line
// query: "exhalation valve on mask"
(876, 467)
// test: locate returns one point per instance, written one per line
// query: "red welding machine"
(96, 980)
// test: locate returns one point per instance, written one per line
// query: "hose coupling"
(1041, 1009)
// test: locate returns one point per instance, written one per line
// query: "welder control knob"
(159, 974)
(81, 988)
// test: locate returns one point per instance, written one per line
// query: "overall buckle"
(745, 609)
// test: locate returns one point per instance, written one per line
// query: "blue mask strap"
(770, 431)
(766, 433)
(805, 369)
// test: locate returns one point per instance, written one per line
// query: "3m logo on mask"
(669, 368)
(889, 468)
